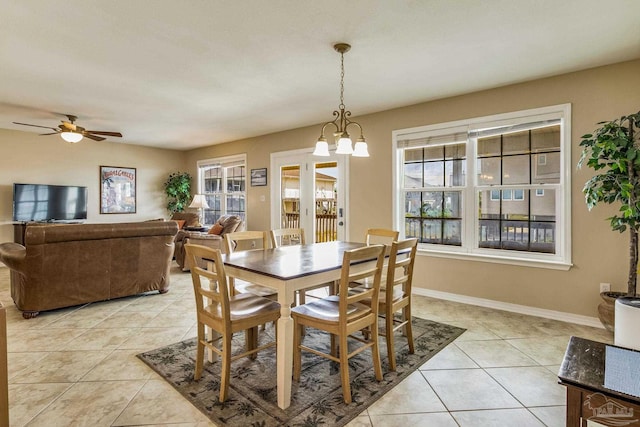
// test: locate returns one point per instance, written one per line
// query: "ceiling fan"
(71, 132)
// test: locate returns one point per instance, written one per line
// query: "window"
(465, 188)
(223, 182)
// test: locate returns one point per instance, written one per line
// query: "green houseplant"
(613, 152)
(178, 190)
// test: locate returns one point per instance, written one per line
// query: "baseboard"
(515, 308)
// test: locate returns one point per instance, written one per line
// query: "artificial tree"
(613, 151)
(178, 190)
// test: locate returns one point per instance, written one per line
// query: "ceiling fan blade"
(95, 138)
(53, 133)
(100, 132)
(36, 126)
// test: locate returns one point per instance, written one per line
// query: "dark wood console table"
(588, 401)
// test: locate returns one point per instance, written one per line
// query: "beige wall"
(28, 158)
(599, 255)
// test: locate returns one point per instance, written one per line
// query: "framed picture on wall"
(258, 177)
(117, 190)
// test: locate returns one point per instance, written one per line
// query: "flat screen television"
(41, 202)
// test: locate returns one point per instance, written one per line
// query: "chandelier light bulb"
(322, 148)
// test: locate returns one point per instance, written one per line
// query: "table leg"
(285, 348)
(574, 406)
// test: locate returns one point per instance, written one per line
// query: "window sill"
(496, 259)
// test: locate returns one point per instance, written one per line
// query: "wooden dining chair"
(244, 241)
(286, 237)
(378, 236)
(381, 236)
(295, 236)
(224, 314)
(342, 315)
(395, 295)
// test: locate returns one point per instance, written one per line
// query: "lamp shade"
(72, 137)
(322, 149)
(344, 146)
(199, 201)
(360, 149)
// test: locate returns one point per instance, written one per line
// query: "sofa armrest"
(13, 256)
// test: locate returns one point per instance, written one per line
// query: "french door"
(309, 192)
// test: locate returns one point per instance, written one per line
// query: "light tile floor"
(77, 366)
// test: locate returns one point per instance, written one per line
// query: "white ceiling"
(190, 73)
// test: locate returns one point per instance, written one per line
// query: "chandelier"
(341, 122)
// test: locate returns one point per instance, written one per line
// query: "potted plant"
(178, 190)
(613, 151)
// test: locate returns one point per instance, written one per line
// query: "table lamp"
(199, 202)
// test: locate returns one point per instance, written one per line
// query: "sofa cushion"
(191, 219)
(230, 223)
(216, 229)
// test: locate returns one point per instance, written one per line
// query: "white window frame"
(238, 160)
(469, 250)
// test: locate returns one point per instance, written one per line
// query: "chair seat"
(242, 286)
(327, 310)
(244, 306)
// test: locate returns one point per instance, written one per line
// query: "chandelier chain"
(341, 81)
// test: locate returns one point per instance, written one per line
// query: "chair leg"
(375, 350)
(199, 352)
(344, 369)
(301, 297)
(334, 349)
(297, 353)
(226, 367)
(408, 327)
(391, 347)
(251, 341)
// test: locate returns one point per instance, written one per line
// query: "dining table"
(288, 269)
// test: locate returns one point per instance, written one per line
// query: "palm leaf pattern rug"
(316, 400)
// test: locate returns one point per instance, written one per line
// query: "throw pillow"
(216, 229)
(180, 223)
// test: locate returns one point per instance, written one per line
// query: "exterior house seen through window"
(494, 187)
(223, 183)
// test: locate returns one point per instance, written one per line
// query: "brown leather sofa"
(229, 224)
(67, 265)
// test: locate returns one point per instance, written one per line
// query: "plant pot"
(627, 321)
(606, 309)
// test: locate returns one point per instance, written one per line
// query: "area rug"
(316, 400)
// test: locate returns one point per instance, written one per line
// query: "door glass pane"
(326, 193)
(290, 196)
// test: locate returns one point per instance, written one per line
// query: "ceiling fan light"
(344, 145)
(322, 148)
(360, 149)
(71, 137)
